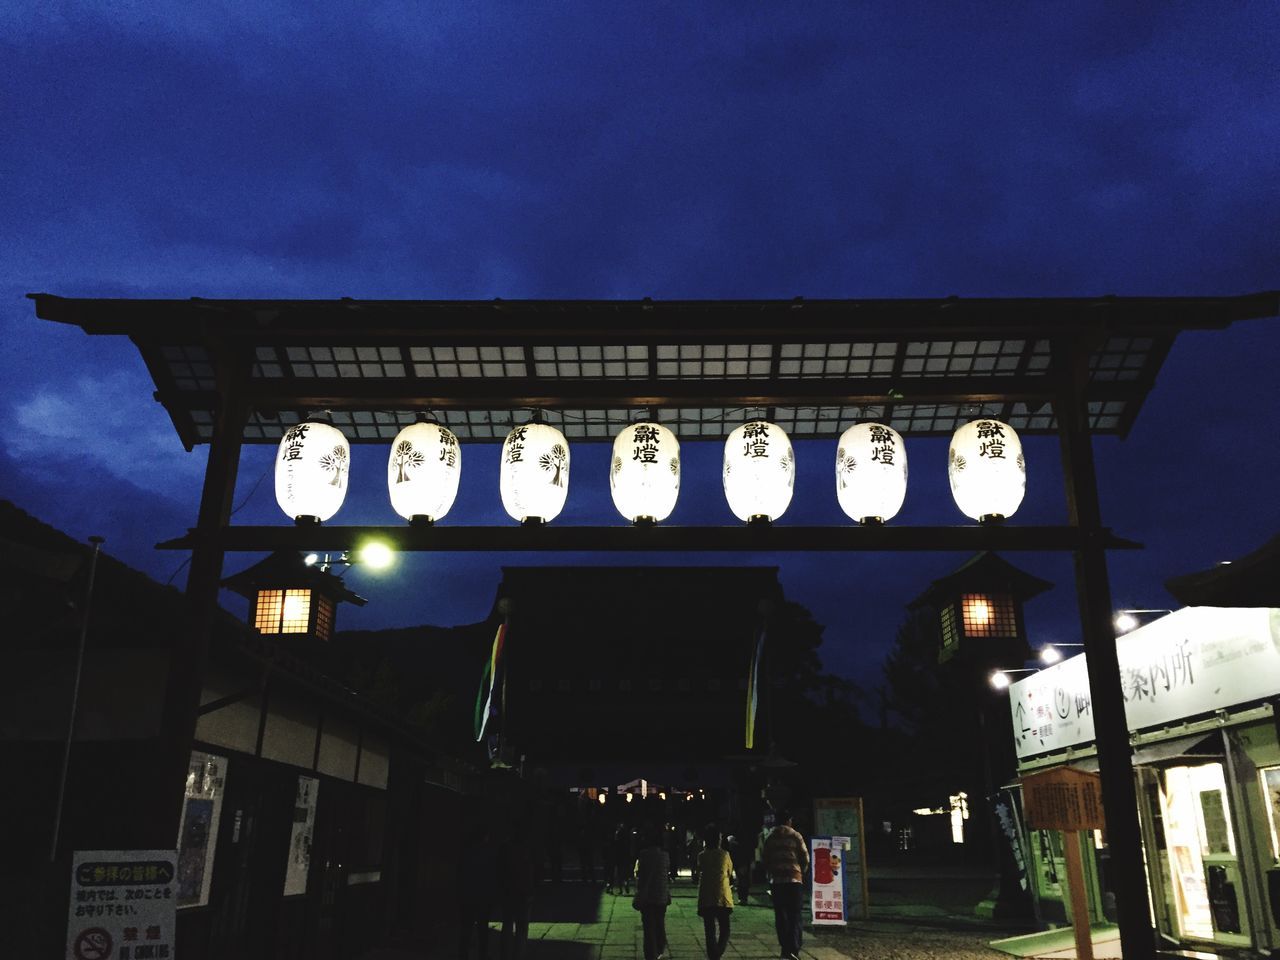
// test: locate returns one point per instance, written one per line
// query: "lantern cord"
(247, 497)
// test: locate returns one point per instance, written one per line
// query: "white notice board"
(123, 905)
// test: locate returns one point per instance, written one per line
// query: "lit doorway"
(1203, 869)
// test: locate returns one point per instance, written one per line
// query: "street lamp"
(871, 473)
(644, 475)
(291, 598)
(759, 471)
(1052, 653)
(1126, 620)
(534, 479)
(987, 471)
(999, 679)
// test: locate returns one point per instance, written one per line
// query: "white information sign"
(1191, 662)
(827, 857)
(123, 905)
(304, 821)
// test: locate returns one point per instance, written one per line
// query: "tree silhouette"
(406, 457)
(335, 461)
(554, 459)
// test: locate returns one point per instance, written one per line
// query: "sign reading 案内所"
(1191, 662)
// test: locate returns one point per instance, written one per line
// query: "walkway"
(574, 921)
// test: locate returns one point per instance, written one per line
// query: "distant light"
(311, 559)
(662, 796)
(1126, 622)
(1050, 654)
(1000, 680)
(600, 797)
(1224, 563)
(376, 555)
(630, 797)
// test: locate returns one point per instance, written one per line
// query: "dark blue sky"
(693, 150)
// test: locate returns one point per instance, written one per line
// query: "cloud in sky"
(671, 150)
(93, 425)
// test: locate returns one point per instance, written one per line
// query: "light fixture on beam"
(871, 473)
(534, 478)
(759, 471)
(999, 679)
(312, 466)
(644, 475)
(423, 471)
(1051, 653)
(987, 470)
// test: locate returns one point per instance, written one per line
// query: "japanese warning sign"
(122, 905)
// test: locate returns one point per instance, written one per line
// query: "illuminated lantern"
(644, 476)
(423, 471)
(987, 471)
(759, 471)
(312, 464)
(534, 472)
(871, 473)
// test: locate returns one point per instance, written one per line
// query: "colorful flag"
(753, 689)
(485, 707)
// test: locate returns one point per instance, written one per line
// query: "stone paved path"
(580, 922)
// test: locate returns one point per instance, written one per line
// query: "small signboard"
(1063, 799)
(827, 862)
(123, 905)
(842, 817)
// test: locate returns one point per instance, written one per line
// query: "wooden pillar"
(1125, 873)
(190, 649)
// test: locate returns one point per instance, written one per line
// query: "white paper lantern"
(534, 473)
(988, 474)
(759, 471)
(645, 473)
(423, 471)
(312, 464)
(871, 473)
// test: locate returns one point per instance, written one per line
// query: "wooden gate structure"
(231, 372)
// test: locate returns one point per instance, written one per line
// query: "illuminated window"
(1270, 779)
(285, 611)
(987, 615)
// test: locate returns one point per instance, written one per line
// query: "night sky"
(673, 151)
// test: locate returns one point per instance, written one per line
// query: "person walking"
(715, 892)
(786, 858)
(653, 893)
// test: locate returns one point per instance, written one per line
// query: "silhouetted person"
(740, 851)
(622, 854)
(515, 889)
(715, 892)
(786, 858)
(475, 901)
(653, 893)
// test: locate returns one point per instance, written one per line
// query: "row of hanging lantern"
(985, 465)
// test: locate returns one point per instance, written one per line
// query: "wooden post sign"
(1063, 799)
(1067, 800)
